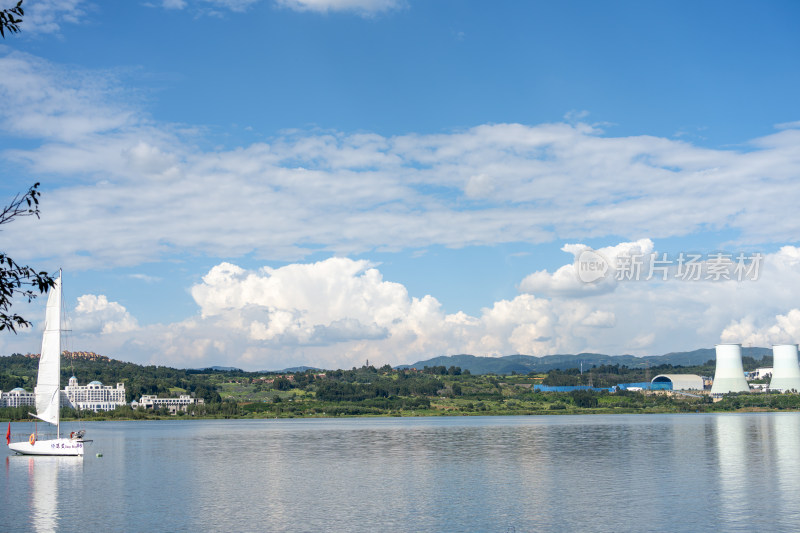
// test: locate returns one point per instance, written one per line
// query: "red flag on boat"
(8, 433)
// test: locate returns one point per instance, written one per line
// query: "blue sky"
(265, 183)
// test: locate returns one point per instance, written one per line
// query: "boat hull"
(49, 447)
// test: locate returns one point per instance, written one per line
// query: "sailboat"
(48, 388)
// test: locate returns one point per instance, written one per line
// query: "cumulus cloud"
(647, 314)
(333, 313)
(338, 312)
(784, 330)
(95, 314)
(350, 289)
(566, 281)
(600, 319)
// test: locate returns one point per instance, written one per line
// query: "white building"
(760, 373)
(680, 381)
(93, 397)
(16, 398)
(172, 404)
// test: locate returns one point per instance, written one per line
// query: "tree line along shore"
(384, 391)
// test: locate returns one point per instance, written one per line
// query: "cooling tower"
(729, 375)
(785, 369)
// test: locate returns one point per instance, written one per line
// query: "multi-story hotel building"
(16, 398)
(172, 404)
(93, 397)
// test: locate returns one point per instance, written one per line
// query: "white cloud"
(645, 340)
(788, 125)
(363, 7)
(655, 316)
(123, 190)
(146, 278)
(48, 16)
(575, 116)
(338, 312)
(566, 282)
(233, 5)
(479, 186)
(333, 313)
(45, 101)
(337, 299)
(785, 330)
(600, 319)
(95, 314)
(353, 193)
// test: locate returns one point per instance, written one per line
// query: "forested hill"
(451, 385)
(20, 371)
(523, 364)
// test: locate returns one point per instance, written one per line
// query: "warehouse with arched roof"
(680, 381)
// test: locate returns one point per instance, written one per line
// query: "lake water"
(721, 472)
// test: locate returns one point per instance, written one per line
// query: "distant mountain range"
(218, 369)
(292, 369)
(234, 369)
(523, 364)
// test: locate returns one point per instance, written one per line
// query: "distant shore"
(422, 413)
(389, 392)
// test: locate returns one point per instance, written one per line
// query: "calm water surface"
(725, 472)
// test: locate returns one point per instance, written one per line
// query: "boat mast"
(60, 330)
(48, 381)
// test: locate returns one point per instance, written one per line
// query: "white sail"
(47, 391)
(48, 383)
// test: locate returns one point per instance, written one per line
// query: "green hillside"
(523, 364)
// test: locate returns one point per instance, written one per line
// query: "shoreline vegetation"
(384, 391)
